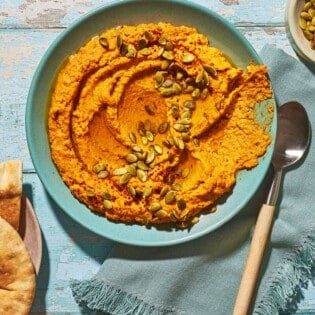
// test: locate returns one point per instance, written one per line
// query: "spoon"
(292, 140)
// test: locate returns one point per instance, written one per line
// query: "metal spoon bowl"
(292, 140)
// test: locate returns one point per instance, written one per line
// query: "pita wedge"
(11, 191)
(17, 275)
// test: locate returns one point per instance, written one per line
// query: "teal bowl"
(221, 34)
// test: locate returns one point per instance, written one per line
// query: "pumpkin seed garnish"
(181, 204)
(131, 51)
(144, 140)
(147, 192)
(132, 191)
(149, 135)
(119, 171)
(191, 104)
(179, 143)
(164, 191)
(142, 175)
(167, 143)
(158, 149)
(168, 46)
(170, 197)
(178, 127)
(141, 165)
(161, 214)
(155, 206)
(145, 51)
(124, 179)
(148, 36)
(107, 204)
(188, 57)
(90, 193)
(131, 169)
(119, 41)
(132, 137)
(98, 167)
(184, 121)
(194, 220)
(149, 110)
(168, 55)
(136, 148)
(104, 42)
(195, 93)
(163, 127)
(131, 158)
(142, 42)
(150, 157)
(210, 69)
(106, 195)
(102, 174)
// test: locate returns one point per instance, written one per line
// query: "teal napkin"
(202, 276)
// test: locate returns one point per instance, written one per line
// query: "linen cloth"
(202, 276)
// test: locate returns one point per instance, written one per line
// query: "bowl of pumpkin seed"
(300, 22)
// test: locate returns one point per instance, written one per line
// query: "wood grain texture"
(27, 29)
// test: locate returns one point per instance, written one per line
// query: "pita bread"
(17, 275)
(11, 191)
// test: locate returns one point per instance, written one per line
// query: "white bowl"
(299, 43)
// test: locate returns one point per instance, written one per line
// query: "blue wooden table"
(27, 28)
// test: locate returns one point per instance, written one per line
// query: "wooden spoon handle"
(254, 258)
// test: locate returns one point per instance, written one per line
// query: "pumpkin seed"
(119, 41)
(136, 148)
(163, 127)
(167, 91)
(142, 42)
(191, 104)
(195, 93)
(147, 192)
(148, 35)
(155, 206)
(188, 57)
(179, 143)
(150, 157)
(162, 40)
(168, 46)
(194, 220)
(144, 140)
(104, 42)
(149, 110)
(184, 121)
(142, 175)
(161, 214)
(177, 88)
(132, 137)
(132, 191)
(131, 51)
(98, 167)
(168, 55)
(164, 191)
(106, 196)
(210, 69)
(90, 193)
(170, 197)
(179, 127)
(167, 143)
(149, 135)
(160, 52)
(107, 204)
(181, 204)
(124, 179)
(204, 93)
(158, 149)
(102, 174)
(131, 169)
(119, 171)
(184, 214)
(131, 158)
(141, 165)
(145, 51)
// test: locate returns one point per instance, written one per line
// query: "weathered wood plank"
(56, 14)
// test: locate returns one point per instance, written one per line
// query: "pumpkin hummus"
(150, 124)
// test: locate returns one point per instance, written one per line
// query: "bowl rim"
(32, 142)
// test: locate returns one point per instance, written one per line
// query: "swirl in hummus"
(150, 124)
